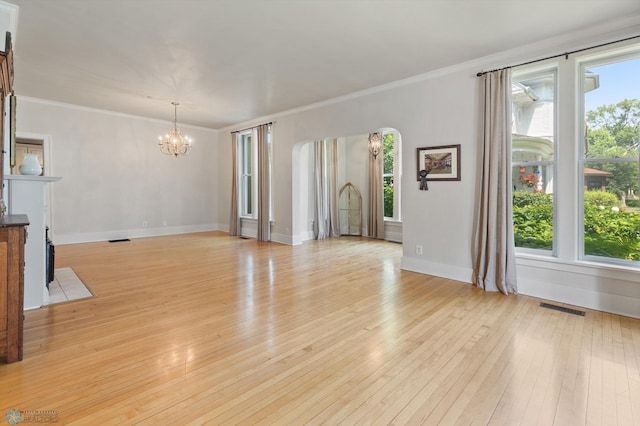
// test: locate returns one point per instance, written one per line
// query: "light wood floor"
(210, 329)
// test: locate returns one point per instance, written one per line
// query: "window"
(533, 153)
(390, 175)
(246, 158)
(611, 213)
(575, 158)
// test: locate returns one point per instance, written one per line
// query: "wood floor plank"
(209, 329)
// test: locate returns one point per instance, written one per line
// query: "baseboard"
(598, 300)
(451, 272)
(284, 239)
(600, 287)
(90, 237)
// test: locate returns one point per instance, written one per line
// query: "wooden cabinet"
(12, 239)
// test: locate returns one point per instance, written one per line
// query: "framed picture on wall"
(441, 162)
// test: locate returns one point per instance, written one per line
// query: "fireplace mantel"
(27, 195)
(32, 178)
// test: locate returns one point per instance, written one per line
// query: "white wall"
(421, 113)
(114, 178)
(441, 108)
(441, 217)
(8, 22)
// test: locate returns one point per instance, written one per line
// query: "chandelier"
(175, 143)
(375, 143)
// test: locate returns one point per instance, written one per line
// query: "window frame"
(396, 175)
(568, 223)
(242, 140)
(601, 58)
(530, 73)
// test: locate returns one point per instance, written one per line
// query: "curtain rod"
(566, 55)
(250, 128)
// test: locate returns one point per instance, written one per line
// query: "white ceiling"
(232, 61)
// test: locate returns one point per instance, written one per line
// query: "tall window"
(611, 208)
(533, 153)
(390, 175)
(575, 173)
(246, 158)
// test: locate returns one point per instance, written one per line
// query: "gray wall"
(115, 182)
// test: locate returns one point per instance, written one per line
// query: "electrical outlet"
(144, 223)
(419, 249)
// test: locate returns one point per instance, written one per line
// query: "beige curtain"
(264, 173)
(375, 221)
(234, 216)
(319, 214)
(494, 253)
(326, 221)
(332, 187)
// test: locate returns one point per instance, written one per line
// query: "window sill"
(585, 267)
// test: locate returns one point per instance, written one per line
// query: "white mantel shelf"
(33, 178)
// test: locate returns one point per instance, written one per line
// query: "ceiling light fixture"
(375, 143)
(175, 143)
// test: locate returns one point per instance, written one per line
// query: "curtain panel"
(494, 266)
(234, 216)
(332, 187)
(264, 179)
(375, 221)
(326, 221)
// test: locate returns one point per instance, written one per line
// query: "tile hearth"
(66, 286)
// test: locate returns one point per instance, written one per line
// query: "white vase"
(30, 165)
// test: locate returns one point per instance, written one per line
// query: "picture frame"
(442, 162)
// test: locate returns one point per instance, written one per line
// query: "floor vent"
(121, 240)
(562, 309)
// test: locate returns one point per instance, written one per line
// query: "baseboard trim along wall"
(616, 290)
(451, 272)
(90, 237)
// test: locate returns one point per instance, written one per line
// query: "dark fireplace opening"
(51, 258)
